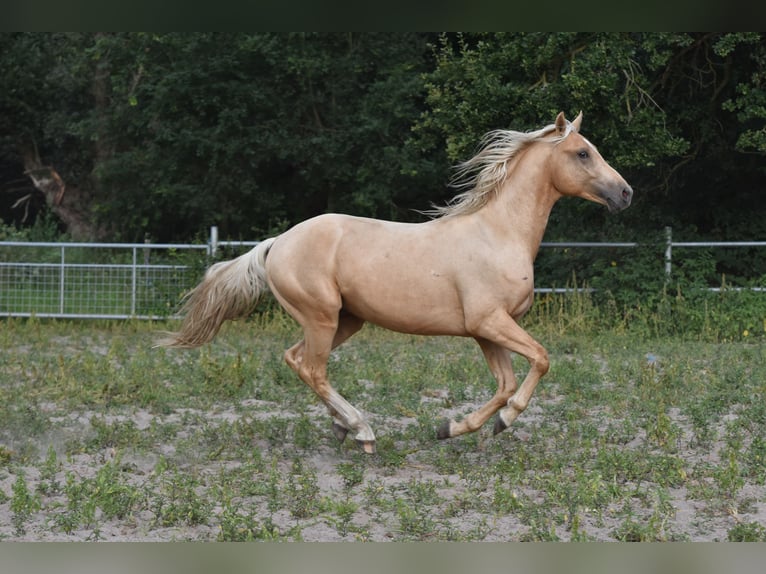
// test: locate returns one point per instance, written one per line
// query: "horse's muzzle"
(618, 200)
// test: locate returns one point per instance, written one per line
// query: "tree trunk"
(68, 203)
(72, 203)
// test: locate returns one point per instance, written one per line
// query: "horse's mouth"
(613, 206)
(619, 201)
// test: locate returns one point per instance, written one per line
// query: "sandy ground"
(375, 523)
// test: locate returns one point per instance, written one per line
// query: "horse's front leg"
(499, 361)
(522, 343)
(501, 330)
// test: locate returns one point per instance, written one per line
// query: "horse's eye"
(583, 154)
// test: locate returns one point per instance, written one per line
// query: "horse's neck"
(519, 211)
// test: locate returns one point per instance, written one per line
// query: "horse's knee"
(540, 362)
(506, 387)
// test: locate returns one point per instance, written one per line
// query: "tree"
(40, 99)
(750, 99)
(126, 134)
(265, 130)
(656, 104)
(166, 134)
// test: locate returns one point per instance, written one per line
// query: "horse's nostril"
(626, 194)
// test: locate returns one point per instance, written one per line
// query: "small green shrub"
(747, 532)
(23, 503)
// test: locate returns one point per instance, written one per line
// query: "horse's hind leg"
(308, 359)
(347, 325)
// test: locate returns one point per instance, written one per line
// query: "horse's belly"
(412, 309)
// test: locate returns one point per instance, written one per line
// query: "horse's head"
(577, 169)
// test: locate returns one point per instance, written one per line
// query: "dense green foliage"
(653, 103)
(163, 135)
(172, 133)
(169, 133)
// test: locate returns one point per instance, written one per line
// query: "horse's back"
(397, 275)
(317, 241)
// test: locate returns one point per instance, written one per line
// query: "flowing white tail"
(229, 290)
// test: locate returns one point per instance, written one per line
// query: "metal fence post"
(134, 282)
(147, 250)
(62, 279)
(213, 240)
(668, 251)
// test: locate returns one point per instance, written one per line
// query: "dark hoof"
(500, 426)
(339, 431)
(443, 431)
(368, 446)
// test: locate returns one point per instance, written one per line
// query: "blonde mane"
(482, 175)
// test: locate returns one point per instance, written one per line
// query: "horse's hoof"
(368, 446)
(340, 432)
(443, 431)
(500, 425)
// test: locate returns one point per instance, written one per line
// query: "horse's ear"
(576, 122)
(561, 124)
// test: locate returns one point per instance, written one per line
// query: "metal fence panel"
(145, 280)
(95, 280)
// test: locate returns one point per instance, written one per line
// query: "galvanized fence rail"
(146, 280)
(92, 280)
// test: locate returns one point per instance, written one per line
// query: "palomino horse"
(466, 272)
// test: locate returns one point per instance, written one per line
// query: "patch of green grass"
(352, 473)
(747, 532)
(245, 526)
(105, 496)
(178, 501)
(23, 503)
(225, 443)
